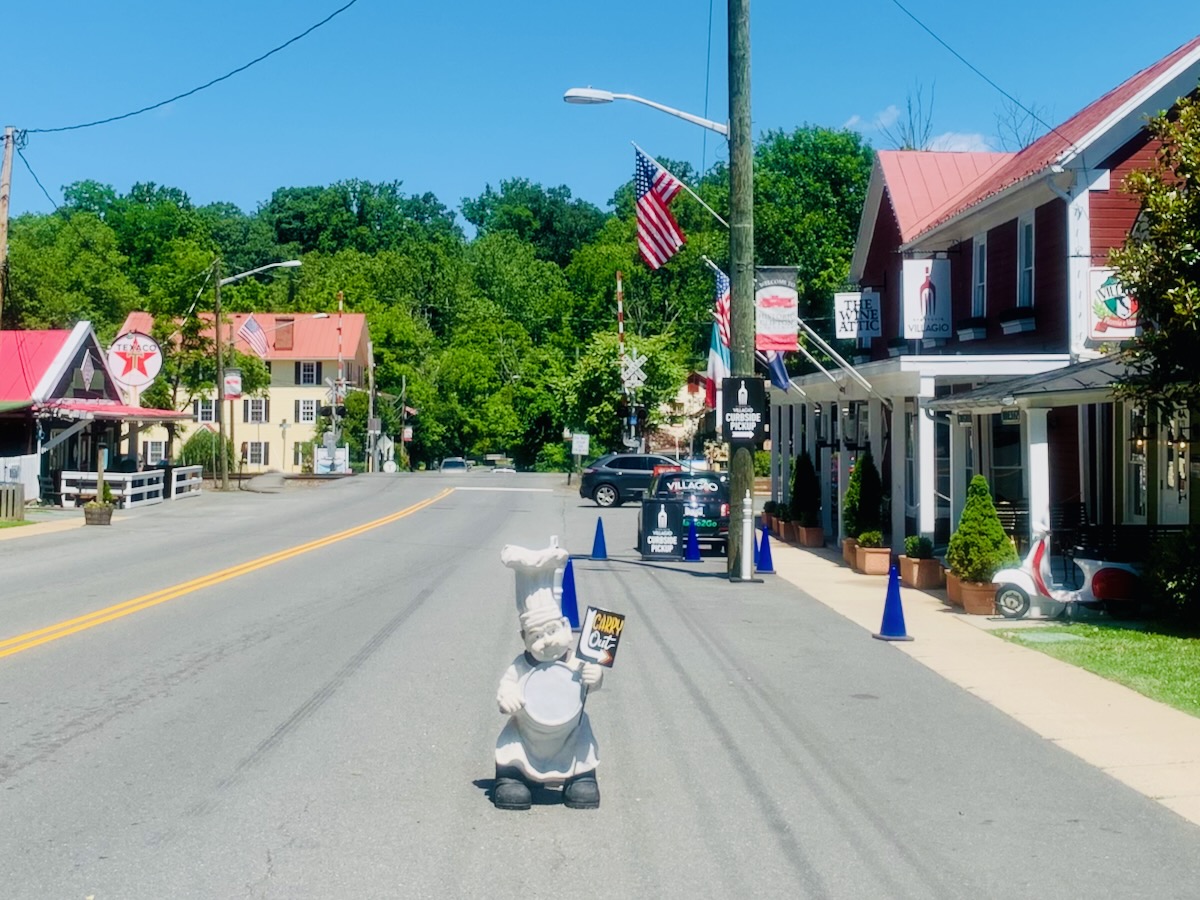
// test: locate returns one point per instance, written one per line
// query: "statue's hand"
(591, 674)
(508, 698)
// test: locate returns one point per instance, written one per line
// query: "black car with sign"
(705, 499)
(616, 477)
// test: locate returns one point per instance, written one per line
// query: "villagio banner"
(776, 308)
(927, 298)
(1113, 315)
(856, 314)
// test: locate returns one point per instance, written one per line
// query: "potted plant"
(850, 515)
(806, 503)
(767, 516)
(872, 558)
(787, 530)
(918, 568)
(978, 549)
(99, 510)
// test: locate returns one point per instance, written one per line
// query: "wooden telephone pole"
(5, 188)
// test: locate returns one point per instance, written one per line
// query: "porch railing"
(186, 481)
(129, 489)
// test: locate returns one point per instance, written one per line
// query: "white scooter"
(1106, 586)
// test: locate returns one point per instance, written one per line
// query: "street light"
(218, 283)
(589, 96)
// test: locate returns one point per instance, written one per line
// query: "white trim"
(866, 223)
(58, 366)
(1027, 220)
(978, 309)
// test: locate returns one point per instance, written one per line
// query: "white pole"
(747, 538)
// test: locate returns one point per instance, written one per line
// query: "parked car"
(616, 477)
(705, 497)
(454, 464)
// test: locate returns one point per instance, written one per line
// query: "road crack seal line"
(81, 623)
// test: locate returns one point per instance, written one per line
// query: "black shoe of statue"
(511, 793)
(582, 792)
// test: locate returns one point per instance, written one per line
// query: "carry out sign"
(600, 635)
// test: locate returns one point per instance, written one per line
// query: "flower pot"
(97, 515)
(953, 589)
(849, 545)
(922, 574)
(979, 598)
(873, 560)
(791, 532)
(812, 536)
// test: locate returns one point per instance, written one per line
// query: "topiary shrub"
(850, 502)
(1173, 576)
(979, 547)
(918, 547)
(871, 539)
(870, 495)
(806, 493)
(769, 508)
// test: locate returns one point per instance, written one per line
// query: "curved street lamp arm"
(287, 264)
(719, 128)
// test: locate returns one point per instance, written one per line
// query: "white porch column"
(807, 439)
(875, 430)
(1037, 468)
(843, 468)
(823, 459)
(1079, 255)
(926, 465)
(960, 437)
(777, 447)
(899, 439)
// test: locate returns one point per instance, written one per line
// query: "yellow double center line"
(137, 604)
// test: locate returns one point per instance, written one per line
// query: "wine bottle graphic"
(743, 395)
(662, 516)
(928, 294)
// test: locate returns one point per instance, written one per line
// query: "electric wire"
(196, 90)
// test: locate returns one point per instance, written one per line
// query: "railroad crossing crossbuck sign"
(632, 375)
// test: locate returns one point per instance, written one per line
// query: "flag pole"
(682, 184)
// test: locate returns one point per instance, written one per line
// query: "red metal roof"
(1054, 145)
(311, 338)
(922, 184)
(24, 358)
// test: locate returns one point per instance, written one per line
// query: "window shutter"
(196, 410)
(296, 417)
(145, 452)
(245, 410)
(297, 371)
(266, 453)
(267, 410)
(319, 381)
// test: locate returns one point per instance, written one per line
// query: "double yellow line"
(137, 604)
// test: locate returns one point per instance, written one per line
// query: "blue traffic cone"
(892, 628)
(693, 545)
(764, 562)
(570, 607)
(599, 550)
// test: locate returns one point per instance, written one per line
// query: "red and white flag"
(251, 332)
(659, 236)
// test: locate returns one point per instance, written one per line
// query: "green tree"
(979, 547)
(548, 219)
(805, 500)
(870, 495)
(1160, 265)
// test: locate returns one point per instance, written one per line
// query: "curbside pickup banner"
(744, 400)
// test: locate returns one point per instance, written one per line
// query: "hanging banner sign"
(776, 308)
(599, 636)
(856, 314)
(134, 359)
(233, 384)
(926, 307)
(745, 402)
(1113, 315)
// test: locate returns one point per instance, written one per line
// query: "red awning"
(84, 409)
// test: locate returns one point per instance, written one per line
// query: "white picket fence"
(132, 489)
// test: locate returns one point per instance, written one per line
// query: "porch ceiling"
(1075, 385)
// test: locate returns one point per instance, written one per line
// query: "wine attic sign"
(927, 298)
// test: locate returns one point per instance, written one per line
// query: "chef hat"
(536, 604)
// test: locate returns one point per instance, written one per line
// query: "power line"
(196, 90)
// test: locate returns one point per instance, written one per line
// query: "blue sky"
(450, 97)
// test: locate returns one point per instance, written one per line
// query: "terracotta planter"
(953, 589)
(873, 560)
(97, 515)
(979, 598)
(813, 536)
(922, 574)
(849, 545)
(791, 532)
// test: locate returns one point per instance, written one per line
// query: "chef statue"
(548, 739)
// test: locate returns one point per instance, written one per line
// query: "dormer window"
(979, 278)
(1025, 260)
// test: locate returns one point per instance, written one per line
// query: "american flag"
(659, 237)
(251, 332)
(722, 312)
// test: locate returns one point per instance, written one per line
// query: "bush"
(762, 463)
(918, 547)
(979, 547)
(806, 493)
(553, 458)
(1173, 576)
(203, 449)
(850, 502)
(769, 508)
(871, 539)
(870, 495)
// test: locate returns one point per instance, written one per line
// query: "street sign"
(374, 425)
(580, 443)
(744, 402)
(134, 359)
(233, 384)
(632, 374)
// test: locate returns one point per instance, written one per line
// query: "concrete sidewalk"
(1149, 746)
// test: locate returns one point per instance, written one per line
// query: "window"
(254, 409)
(1025, 260)
(258, 453)
(1137, 488)
(308, 373)
(306, 410)
(298, 454)
(205, 410)
(154, 452)
(979, 281)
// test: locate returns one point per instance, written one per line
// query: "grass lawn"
(10, 523)
(1152, 660)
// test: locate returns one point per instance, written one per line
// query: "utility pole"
(5, 190)
(371, 433)
(741, 254)
(224, 452)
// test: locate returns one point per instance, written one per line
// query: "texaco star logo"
(134, 359)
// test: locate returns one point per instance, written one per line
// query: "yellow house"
(306, 354)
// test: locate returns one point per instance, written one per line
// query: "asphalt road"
(297, 706)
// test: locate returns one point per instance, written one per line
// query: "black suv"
(616, 477)
(705, 499)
